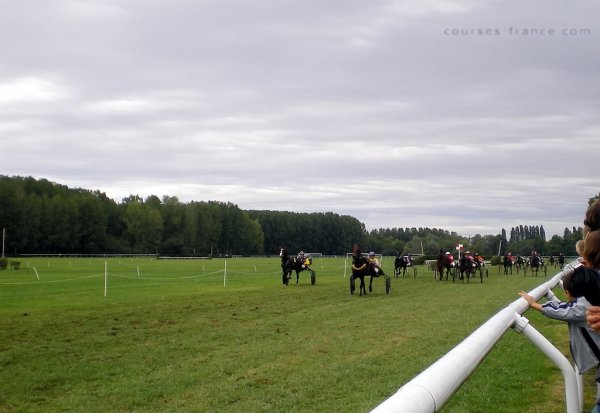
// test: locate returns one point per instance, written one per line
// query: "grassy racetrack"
(184, 336)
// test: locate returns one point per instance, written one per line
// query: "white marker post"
(225, 274)
(36, 273)
(105, 277)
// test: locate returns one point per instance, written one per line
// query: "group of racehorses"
(362, 267)
(465, 267)
(534, 262)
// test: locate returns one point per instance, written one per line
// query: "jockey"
(375, 264)
(301, 259)
(535, 259)
(478, 259)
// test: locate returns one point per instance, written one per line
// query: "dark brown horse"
(289, 264)
(401, 262)
(360, 269)
(466, 267)
(443, 262)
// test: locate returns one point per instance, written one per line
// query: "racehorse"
(442, 263)
(535, 261)
(401, 262)
(360, 268)
(520, 263)
(289, 264)
(466, 267)
(508, 263)
(552, 261)
(561, 260)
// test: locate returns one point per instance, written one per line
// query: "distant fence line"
(44, 255)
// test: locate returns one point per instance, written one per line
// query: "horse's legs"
(371, 285)
(363, 288)
(352, 287)
(297, 276)
(285, 278)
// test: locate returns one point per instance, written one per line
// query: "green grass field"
(186, 336)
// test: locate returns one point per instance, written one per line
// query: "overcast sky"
(470, 116)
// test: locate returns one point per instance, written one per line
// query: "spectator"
(591, 254)
(584, 342)
(591, 259)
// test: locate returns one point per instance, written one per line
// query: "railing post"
(572, 389)
(431, 389)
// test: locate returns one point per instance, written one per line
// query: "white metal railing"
(433, 387)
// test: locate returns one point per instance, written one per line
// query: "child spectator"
(584, 342)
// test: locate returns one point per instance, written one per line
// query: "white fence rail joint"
(432, 388)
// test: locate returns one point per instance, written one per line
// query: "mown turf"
(216, 336)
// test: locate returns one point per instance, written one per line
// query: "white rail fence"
(431, 389)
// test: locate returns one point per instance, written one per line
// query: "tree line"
(44, 217)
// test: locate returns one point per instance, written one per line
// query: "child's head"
(583, 282)
(571, 286)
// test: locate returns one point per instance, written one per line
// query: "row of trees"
(430, 241)
(45, 217)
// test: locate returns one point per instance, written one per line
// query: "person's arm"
(531, 301)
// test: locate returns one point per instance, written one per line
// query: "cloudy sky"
(470, 116)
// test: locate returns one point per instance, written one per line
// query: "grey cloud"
(399, 113)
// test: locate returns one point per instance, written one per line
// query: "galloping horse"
(289, 264)
(520, 263)
(401, 262)
(466, 266)
(442, 263)
(535, 261)
(360, 268)
(508, 263)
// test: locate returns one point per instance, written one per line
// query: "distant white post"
(105, 277)
(225, 274)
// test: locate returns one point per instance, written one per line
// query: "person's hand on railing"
(593, 317)
(531, 301)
